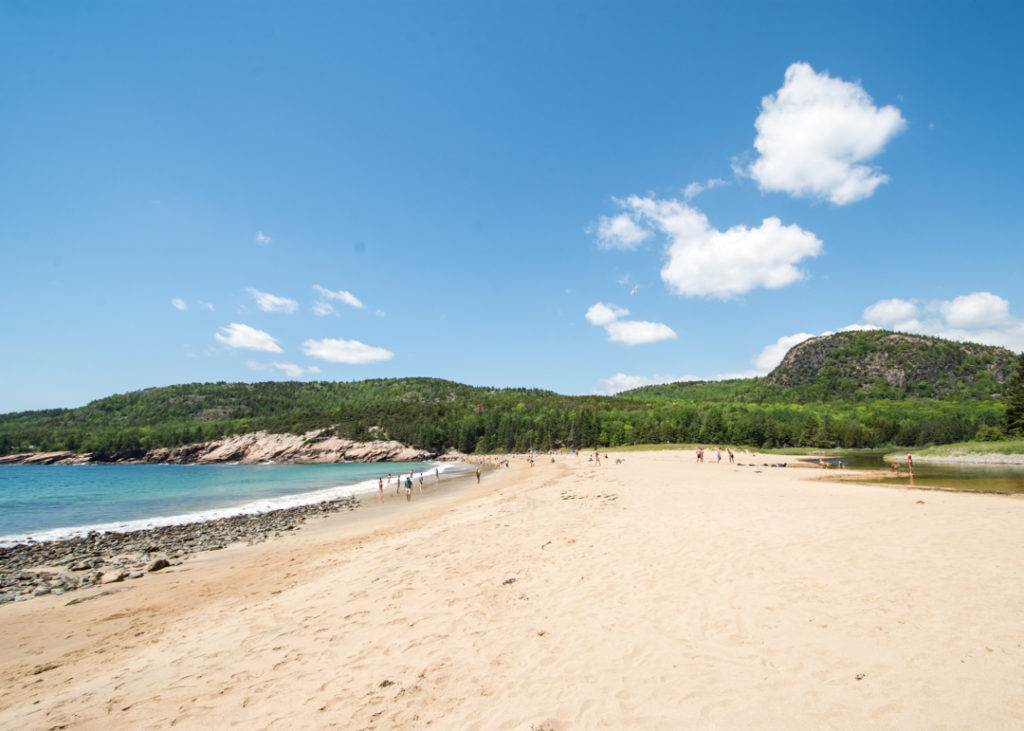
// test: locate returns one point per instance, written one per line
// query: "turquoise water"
(48, 502)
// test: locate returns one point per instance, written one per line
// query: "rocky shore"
(32, 569)
(309, 448)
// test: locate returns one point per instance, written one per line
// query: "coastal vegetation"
(850, 390)
(974, 448)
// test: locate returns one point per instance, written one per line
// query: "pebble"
(55, 567)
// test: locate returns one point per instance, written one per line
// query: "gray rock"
(160, 563)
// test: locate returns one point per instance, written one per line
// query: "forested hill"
(862, 366)
(425, 412)
(857, 389)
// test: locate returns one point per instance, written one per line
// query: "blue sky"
(581, 196)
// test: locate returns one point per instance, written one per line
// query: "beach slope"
(653, 593)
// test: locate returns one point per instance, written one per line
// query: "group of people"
(718, 455)
(407, 483)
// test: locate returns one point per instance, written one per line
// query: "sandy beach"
(654, 593)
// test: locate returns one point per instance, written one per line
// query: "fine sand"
(656, 593)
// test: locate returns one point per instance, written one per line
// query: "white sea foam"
(254, 507)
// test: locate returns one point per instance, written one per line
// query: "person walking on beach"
(408, 488)
(437, 475)
(421, 483)
(380, 486)
(732, 458)
(478, 475)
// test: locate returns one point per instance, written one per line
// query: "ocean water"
(59, 501)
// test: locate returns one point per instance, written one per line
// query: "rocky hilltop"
(309, 448)
(894, 363)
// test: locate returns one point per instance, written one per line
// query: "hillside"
(893, 365)
(861, 366)
(857, 389)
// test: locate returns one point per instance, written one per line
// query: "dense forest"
(850, 390)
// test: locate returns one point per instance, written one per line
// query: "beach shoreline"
(654, 592)
(34, 568)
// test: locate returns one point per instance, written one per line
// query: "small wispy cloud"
(262, 239)
(620, 232)
(291, 370)
(273, 303)
(351, 352)
(237, 335)
(629, 332)
(623, 382)
(694, 189)
(340, 296)
(179, 304)
(323, 309)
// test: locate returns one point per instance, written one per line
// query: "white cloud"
(622, 382)
(638, 332)
(620, 232)
(345, 351)
(630, 332)
(771, 355)
(261, 239)
(341, 296)
(815, 133)
(890, 313)
(323, 308)
(977, 310)
(206, 306)
(694, 189)
(179, 303)
(706, 262)
(242, 336)
(602, 314)
(272, 303)
(978, 317)
(289, 369)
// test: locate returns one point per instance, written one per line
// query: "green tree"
(1013, 397)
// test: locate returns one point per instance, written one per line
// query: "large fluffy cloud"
(237, 335)
(352, 352)
(976, 310)
(630, 332)
(815, 134)
(892, 313)
(706, 262)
